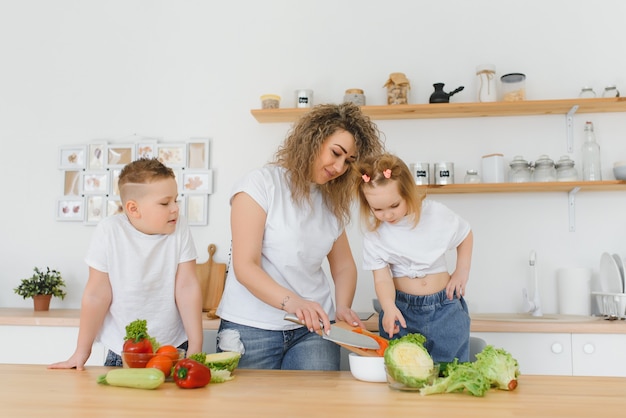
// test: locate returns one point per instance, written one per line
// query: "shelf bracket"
(571, 205)
(569, 125)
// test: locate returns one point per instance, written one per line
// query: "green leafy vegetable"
(199, 357)
(137, 331)
(499, 367)
(459, 377)
(221, 364)
(408, 362)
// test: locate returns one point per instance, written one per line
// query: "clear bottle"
(590, 153)
(486, 83)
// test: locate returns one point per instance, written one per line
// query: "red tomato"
(141, 346)
(168, 350)
(161, 362)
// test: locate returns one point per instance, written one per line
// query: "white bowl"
(367, 369)
(619, 170)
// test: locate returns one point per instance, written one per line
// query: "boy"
(141, 266)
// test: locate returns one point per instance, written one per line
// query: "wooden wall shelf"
(462, 110)
(554, 186)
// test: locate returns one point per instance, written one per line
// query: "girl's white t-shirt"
(142, 271)
(415, 251)
(296, 241)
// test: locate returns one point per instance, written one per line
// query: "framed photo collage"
(90, 172)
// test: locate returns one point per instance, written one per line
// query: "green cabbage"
(499, 367)
(226, 360)
(459, 377)
(408, 362)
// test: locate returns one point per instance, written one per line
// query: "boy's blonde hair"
(142, 171)
(380, 170)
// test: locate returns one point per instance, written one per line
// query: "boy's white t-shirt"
(296, 241)
(415, 251)
(142, 271)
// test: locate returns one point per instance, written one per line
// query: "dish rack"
(611, 305)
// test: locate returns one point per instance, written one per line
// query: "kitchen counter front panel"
(34, 391)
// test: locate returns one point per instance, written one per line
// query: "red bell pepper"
(189, 374)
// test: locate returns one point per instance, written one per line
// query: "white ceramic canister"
(444, 173)
(574, 290)
(421, 173)
(493, 168)
(304, 98)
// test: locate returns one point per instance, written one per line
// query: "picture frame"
(72, 182)
(173, 155)
(194, 182)
(114, 207)
(146, 150)
(95, 182)
(114, 176)
(198, 154)
(118, 155)
(196, 209)
(72, 157)
(95, 209)
(70, 209)
(95, 155)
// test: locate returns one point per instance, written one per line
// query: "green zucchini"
(149, 378)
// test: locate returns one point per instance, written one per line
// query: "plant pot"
(42, 302)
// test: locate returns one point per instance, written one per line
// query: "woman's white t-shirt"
(415, 251)
(296, 241)
(142, 271)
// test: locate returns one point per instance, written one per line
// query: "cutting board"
(211, 276)
(360, 351)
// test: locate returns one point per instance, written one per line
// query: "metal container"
(444, 173)
(304, 98)
(421, 173)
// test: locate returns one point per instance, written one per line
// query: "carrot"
(383, 343)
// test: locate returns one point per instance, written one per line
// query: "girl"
(405, 245)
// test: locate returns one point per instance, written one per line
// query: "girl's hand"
(457, 283)
(392, 321)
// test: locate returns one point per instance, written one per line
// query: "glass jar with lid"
(471, 176)
(544, 169)
(565, 170)
(587, 93)
(519, 170)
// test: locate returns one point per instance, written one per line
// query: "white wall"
(75, 71)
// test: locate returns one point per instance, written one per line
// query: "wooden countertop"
(34, 391)
(480, 322)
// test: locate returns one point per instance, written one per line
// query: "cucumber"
(149, 378)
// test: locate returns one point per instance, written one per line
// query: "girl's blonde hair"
(303, 145)
(380, 170)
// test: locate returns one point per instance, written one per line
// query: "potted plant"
(41, 286)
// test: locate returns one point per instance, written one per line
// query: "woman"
(287, 218)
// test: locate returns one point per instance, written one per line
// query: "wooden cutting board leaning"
(211, 276)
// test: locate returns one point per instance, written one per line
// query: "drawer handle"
(589, 348)
(557, 348)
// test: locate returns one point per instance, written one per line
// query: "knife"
(341, 336)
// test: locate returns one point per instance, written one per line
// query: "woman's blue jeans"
(296, 349)
(445, 324)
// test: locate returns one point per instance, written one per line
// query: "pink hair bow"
(387, 173)
(366, 178)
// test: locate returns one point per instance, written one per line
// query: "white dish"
(620, 264)
(610, 277)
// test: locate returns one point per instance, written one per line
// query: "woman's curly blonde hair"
(303, 144)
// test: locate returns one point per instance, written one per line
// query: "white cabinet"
(599, 354)
(536, 353)
(43, 345)
(563, 354)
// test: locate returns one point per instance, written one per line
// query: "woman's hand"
(349, 316)
(311, 314)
